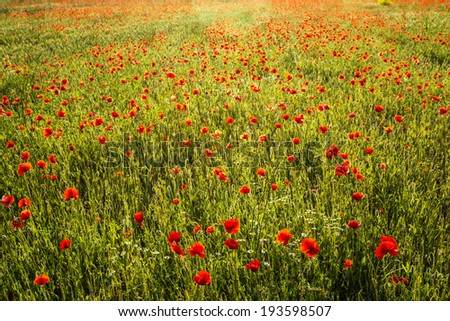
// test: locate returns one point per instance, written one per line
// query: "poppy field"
(225, 150)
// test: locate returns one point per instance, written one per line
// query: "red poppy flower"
(403, 280)
(25, 156)
(274, 187)
(245, 136)
(202, 278)
(208, 153)
(332, 151)
(209, 230)
(398, 118)
(10, 145)
(309, 247)
(342, 170)
(23, 168)
(174, 237)
(262, 138)
(369, 150)
(52, 159)
(323, 129)
(175, 248)
(359, 177)
(357, 196)
(25, 215)
(261, 172)
(139, 217)
(290, 158)
(176, 201)
(354, 225)
(253, 120)
(253, 265)
(7, 200)
(299, 119)
(197, 249)
(283, 236)
(296, 140)
(232, 226)
(379, 109)
(65, 244)
(348, 264)
(387, 245)
(16, 224)
(48, 132)
(24, 202)
(230, 120)
(197, 229)
(41, 164)
(61, 114)
(394, 279)
(71, 193)
(97, 122)
(41, 279)
(231, 244)
(102, 140)
(170, 75)
(244, 190)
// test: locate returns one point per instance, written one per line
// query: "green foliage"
(361, 58)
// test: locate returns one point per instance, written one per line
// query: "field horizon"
(224, 150)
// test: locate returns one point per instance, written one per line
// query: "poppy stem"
(300, 274)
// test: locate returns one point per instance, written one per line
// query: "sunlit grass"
(174, 73)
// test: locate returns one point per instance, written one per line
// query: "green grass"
(408, 200)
